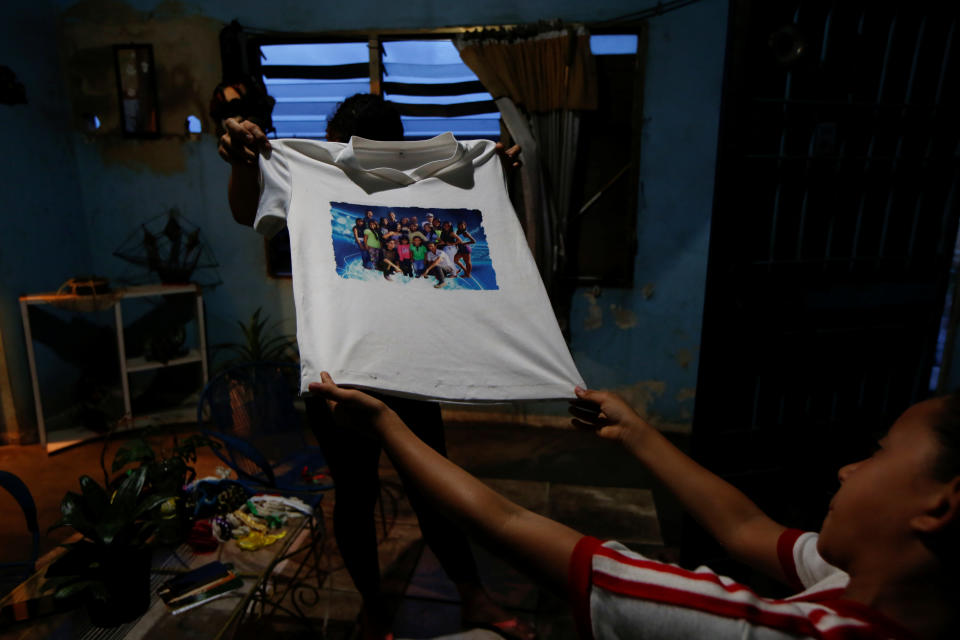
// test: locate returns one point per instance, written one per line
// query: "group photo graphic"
(413, 246)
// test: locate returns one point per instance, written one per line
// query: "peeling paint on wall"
(686, 393)
(186, 52)
(624, 318)
(594, 319)
(641, 394)
(683, 357)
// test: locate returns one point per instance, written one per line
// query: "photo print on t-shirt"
(413, 246)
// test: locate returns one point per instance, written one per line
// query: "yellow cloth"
(257, 540)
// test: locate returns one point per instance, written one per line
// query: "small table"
(112, 299)
(270, 587)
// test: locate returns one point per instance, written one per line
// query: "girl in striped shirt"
(882, 565)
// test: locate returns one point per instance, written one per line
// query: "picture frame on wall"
(137, 90)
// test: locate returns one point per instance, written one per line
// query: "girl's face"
(882, 500)
(462, 226)
(404, 241)
(417, 241)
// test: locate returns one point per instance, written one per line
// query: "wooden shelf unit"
(127, 366)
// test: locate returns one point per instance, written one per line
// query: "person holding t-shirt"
(352, 456)
(882, 567)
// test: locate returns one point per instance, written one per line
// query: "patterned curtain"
(541, 76)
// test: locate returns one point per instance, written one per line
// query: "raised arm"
(731, 517)
(241, 146)
(541, 545)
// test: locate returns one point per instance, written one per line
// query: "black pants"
(354, 464)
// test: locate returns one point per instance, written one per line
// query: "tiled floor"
(569, 476)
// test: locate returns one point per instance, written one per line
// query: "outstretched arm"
(541, 545)
(241, 146)
(731, 517)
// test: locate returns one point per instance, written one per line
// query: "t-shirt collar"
(402, 163)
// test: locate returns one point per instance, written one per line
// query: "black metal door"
(834, 222)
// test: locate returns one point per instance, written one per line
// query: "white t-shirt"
(488, 334)
(617, 593)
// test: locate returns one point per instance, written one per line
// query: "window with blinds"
(308, 80)
(432, 88)
(436, 92)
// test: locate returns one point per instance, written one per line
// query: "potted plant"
(261, 343)
(111, 564)
(167, 473)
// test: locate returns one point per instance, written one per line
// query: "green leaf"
(151, 503)
(94, 586)
(96, 500)
(126, 499)
(137, 450)
(73, 515)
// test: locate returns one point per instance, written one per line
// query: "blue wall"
(43, 239)
(642, 341)
(645, 341)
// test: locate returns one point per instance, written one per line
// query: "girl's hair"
(402, 238)
(946, 428)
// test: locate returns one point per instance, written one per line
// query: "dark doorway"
(834, 223)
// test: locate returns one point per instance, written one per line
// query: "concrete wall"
(43, 239)
(642, 341)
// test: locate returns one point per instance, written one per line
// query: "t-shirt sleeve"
(801, 562)
(615, 592)
(578, 582)
(275, 192)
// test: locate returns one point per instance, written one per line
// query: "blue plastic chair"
(250, 410)
(13, 573)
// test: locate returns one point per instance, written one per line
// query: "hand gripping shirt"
(617, 593)
(491, 320)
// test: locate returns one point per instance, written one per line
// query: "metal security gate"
(835, 218)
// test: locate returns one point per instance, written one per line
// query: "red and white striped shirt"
(618, 593)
